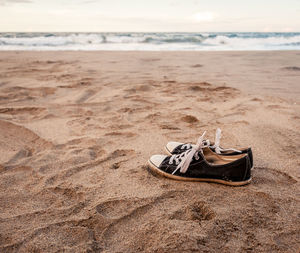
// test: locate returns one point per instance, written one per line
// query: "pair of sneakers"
(204, 161)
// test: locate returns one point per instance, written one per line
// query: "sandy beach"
(77, 129)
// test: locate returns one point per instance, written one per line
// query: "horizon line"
(141, 32)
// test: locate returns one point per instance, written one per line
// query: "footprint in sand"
(271, 177)
(203, 86)
(153, 116)
(85, 96)
(121, 126)
(14, 141)
(84, 82)
(197, 66)
(20, 93)
(253, 214)
(122, 134)
(67, 195)
(22, 110)
(206, 89)
(292, 68)
(169, 127)
(22, 153)
(189, 119)
(134, 219)
(22, 114)
(198, 211)
(139, 88)
(116, 209)
(115, 155)
(120, 153)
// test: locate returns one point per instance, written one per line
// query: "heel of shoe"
(248, 168)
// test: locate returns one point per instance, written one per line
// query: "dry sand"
(77, 128)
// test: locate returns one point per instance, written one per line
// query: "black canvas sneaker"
(193, 165)
(230, 154)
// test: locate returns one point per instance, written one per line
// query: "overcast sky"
(149, 15)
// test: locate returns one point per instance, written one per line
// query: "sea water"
(151, 41)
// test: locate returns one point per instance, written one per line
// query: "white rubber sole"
(208, 180)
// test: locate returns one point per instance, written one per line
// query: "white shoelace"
(184, 159)
(216, 145)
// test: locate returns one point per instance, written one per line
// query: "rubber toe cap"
(157, 159)
(172, 145)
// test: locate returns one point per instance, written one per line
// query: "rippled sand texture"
(76, 131)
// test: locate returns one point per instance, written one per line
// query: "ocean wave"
(149, 41)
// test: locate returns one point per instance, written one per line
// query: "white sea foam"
(150, 41)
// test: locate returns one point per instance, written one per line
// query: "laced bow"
(217, 147)
(184, 159)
